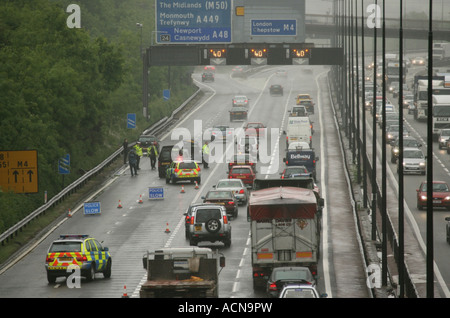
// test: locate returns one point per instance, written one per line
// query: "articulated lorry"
(188, 272)
(285, 219)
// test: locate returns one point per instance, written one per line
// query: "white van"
(298, 129)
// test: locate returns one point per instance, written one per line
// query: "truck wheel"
(213, 226)
(192, 242)
(227, 243)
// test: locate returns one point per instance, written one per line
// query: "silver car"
(235, 185)
(414, 161)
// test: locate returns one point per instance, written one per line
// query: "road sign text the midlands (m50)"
(200, 21)
(19, 171)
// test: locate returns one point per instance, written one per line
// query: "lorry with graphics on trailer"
(284, 227)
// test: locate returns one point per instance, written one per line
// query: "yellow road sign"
(19, 171)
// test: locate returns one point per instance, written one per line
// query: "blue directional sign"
(155, 193)
(64, 164)
(131, 120)
(92, 208)
(193, 21)
(166, 94)
(274, 27)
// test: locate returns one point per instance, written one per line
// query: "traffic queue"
(210, 220)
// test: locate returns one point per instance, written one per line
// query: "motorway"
(137, 227)
(415, 219)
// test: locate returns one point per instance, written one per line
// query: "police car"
(74, 251)
(183, 171)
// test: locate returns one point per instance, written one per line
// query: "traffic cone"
(120, 205)
(69, 214)
(196, 184)
(140, 199)
(167, 228)
(182, 189)
(125, 295)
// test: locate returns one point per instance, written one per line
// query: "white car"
(235, 185)
(300, 291)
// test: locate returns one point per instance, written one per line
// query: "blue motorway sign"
(166, 94)
(193, 21)
(131, 120)
(274, 27)
(64, 164)
(156, 193)
(92, 208)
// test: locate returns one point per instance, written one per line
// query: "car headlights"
(422, 164)
(423, 197)
(396, 150)
(447, 198)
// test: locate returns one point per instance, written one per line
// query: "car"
(414, 161)
(222, 132)
(209, 223)
(243, 159)
(285, 275)
(207, 77)
(276, 90)
(447, 229)
(418, 60)
(441, 195)
(295, 171)
(188, 215)
(408, 99)
(238, 113)
(411, 108)
(147, 140)
(301, 97)
(298, 111)
(183, 171)
(408, 142)
(248, 144)
(301, 291)
(209, 68)
(235, 185)
(281, 73)
(389, 116)
(255, 129)
(238, 71)
(240, 100)
(165, 158)
(392, 133)
(309, 104)
(444, 135)
(77, 251)
(224, 197)
(393, 87)
(244, 173)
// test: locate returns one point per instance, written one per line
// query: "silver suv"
(209, 223)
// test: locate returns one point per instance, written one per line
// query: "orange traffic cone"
(182, 189)
(167, 228)
(140, 199)
(125, 295)
(120, 205)
(196, 184)
(69, 214)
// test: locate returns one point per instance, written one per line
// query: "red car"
(243, 172)
(255, 129)
(441, 195)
